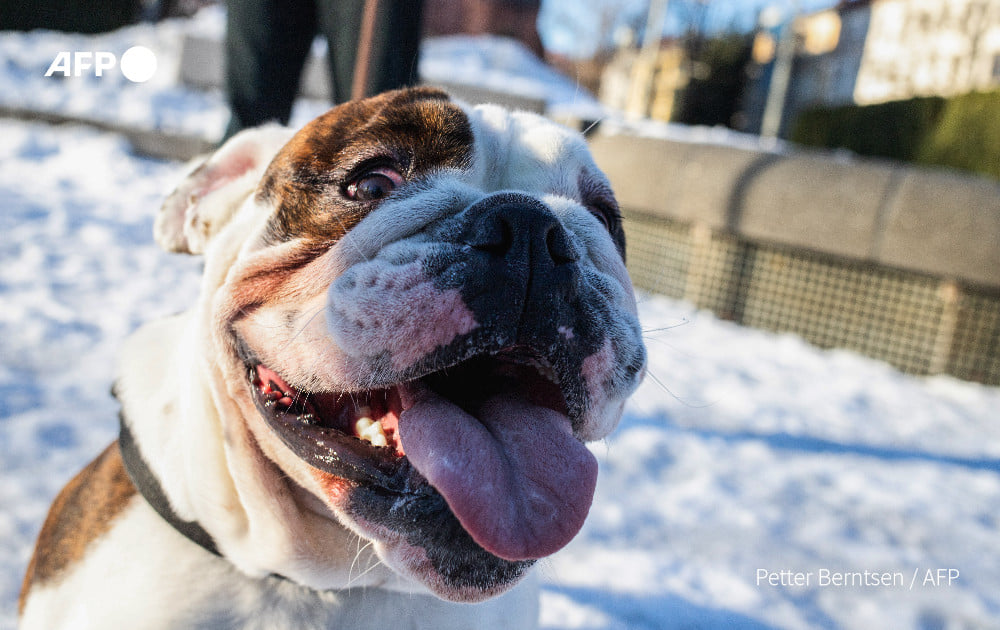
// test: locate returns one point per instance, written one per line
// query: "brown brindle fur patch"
(270, 279)
(413, 131)
(83, 511)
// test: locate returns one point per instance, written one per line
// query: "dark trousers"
(268, 41)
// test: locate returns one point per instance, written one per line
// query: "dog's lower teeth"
(371, 431)
(544, 370)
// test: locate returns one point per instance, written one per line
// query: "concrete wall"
(898, 263)
(929, 221)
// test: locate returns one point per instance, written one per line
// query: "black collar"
(149, 487)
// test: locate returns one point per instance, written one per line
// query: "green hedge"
(961, 132)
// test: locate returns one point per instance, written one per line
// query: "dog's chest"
(141, 568)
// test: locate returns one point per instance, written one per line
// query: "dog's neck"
(149, 487)
(183, 451)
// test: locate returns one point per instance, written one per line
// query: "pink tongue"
(518, 481)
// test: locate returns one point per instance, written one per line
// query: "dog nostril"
(519, 228)
(497, 238)
(560, 249)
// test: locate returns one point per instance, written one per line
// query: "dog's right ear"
(211, 193)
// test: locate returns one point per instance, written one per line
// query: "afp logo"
(138, 64)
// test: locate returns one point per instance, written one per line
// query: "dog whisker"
(659, 383)
(548, 569)
(300, 398)
(305, 324)
(677, 350)
(648, 331)
(352, 582)
(377, 563)
(352, 241)
(648, 335)
(593, 125)
(357, 556)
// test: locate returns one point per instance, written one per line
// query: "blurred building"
(645, 85)
(929, 47)
(872, 51)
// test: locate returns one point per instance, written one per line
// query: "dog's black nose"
(522, 265)
(519, 229)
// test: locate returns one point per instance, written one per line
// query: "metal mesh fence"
(920, 324)
(975, 349)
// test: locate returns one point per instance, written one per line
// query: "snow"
(156, 104)
(743, 451)
(505, 65)
(486, 62)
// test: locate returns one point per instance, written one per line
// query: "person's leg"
(340, 24)
(267, 42)
(395, 46)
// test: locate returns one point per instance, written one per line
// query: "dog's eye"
(374, 184)
(606, 213)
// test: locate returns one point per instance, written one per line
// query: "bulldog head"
(416, 312)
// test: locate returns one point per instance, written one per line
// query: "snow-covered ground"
(751, 470)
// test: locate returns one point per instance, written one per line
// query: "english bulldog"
(413, 315)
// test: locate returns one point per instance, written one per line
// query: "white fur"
(247, 507)
(514, 151)
(214, 190)
(177, 585)
(220, 465)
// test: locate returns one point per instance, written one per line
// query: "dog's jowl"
(413, 315)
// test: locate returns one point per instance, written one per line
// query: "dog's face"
(417, 312)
